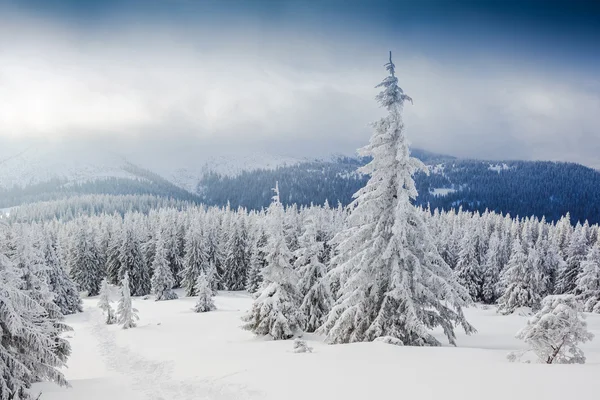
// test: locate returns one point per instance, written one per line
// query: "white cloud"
(309, 95)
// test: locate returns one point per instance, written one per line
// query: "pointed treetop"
(392, 96)
(275, 197)
(390, 66)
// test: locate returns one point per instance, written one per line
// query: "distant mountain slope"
(245, 179)
(523, 188)
(56, 170)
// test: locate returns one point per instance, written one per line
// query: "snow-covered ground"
(176, 354)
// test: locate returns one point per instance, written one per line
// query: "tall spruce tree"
(84, 262)
(66, 295)
(576, 253)
(162, 277)
(276, 307)
(521, 280)
(588, 281)
(237, 259)
(395, 283)
(195, 258)
(133, 264)
(468, 271)
(313, 286)
(28, 350)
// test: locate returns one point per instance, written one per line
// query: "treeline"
(89, 205)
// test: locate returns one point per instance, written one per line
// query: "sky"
(490, 79)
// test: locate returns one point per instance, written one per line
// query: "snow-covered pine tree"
(213, 242)
(555, 331)
(576, 253)
(313, 286)
(104, 303)
(520, 280)
(588, 281)
(28, 349)
(395, 283)
(195, 258)
(162, 278)
(127, 315)
(174, 232)
(237, 259)
(491, 270)
(30, 262)
(257, 263)
(468, 271)
(205, 302)
(84, 262)
(66, 295)
(133, 264)
(113, 256)
(276, 307)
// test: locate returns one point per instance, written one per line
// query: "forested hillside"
(525, 188)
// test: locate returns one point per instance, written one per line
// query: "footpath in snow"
(176, 354)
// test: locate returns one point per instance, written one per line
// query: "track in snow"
(153, 379)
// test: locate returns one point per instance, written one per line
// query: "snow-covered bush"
(389, 340)
(555, 331)
(300, 346)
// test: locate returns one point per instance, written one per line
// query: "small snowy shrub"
(554, 332)
(389, 340)
(300, 346)
(104, 303)
(127, 315)
(205, 302)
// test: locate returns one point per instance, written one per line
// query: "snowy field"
(176, 354)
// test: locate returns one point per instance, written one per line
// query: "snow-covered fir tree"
(213, 242)
(195, 258)
(491, 270)
(28, 349)
(313, 286)
(162, 277)
(554, 333)
(237, 258)
(588, 281)
(575, 254)
(394, 282)
(520, 280)
(203, 290)
(84, 262)
(66, 295)
(104, 303)
(468, 271)
(33, 272)
(113, 256)
(126, 314)
(257, 263)
(276, 308)
(133, 264)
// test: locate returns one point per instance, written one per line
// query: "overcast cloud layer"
(290, 91)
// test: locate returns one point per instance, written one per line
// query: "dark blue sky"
(559, 31)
